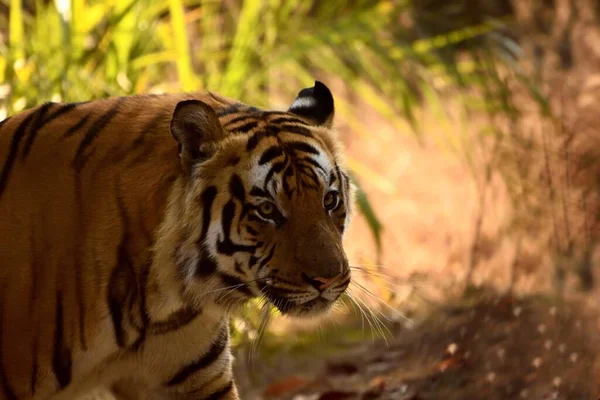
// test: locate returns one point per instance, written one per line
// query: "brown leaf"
(285, 386)
(451, 362)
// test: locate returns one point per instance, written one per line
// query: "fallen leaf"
(451, 362)
(285, 386)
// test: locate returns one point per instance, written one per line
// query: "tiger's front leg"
(226, 392)
(221, 387)
(200, 389)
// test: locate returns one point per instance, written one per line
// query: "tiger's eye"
(266, 209)
(331, 200)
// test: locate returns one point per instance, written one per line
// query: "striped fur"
(132, 227)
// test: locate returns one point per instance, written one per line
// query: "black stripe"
(229, 248)
(92, 133)
(229, 110)
(298, 130)
(14, 149)
(245, 128)
(254, 141)
(287, 119)
(265, 260)
(219, 394)
(270, 154)
(7, 391)
(308, 174)
(240, 285)
(237, 119)
(35, 127)
(73, 129)
(258, 192)
(61, 355)
(115, 303)
(62, 110)
(302, 146)
(236, 188)
(226, 246)
(122, 289)
(238, 268)
(193, 394)
(207, 198)
(275, 168)
(332, 177)
(313, 163)
(206, 264)
(252, 261)
(143, 284)
(177, 320)
(204, 361)
(227, 218)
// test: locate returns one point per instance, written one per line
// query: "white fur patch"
(303, 102)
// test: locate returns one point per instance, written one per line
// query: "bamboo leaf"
(184, 61)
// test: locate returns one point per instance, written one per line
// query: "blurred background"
(472, 130)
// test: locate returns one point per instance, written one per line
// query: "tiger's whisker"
(363, 313)
(377, 321)
(374, 297)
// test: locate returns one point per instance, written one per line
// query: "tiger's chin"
(311, 308)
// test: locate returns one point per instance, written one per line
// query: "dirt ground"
(482, 347)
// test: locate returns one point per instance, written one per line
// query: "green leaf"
(367, 211)
(180, 38)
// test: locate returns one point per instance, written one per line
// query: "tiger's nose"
(319, 282)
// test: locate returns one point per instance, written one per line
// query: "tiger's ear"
(196, 128)
(315, 103)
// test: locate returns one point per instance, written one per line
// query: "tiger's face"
(272, 201)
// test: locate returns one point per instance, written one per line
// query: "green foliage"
(258, 51)
(365, 208)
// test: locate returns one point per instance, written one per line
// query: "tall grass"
(73, 50)
(259, 51)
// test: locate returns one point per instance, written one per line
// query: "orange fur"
(97, 218)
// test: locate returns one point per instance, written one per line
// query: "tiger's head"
(266, 202)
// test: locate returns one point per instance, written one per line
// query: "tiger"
(132, 228)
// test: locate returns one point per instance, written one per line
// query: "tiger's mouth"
(301, 303)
